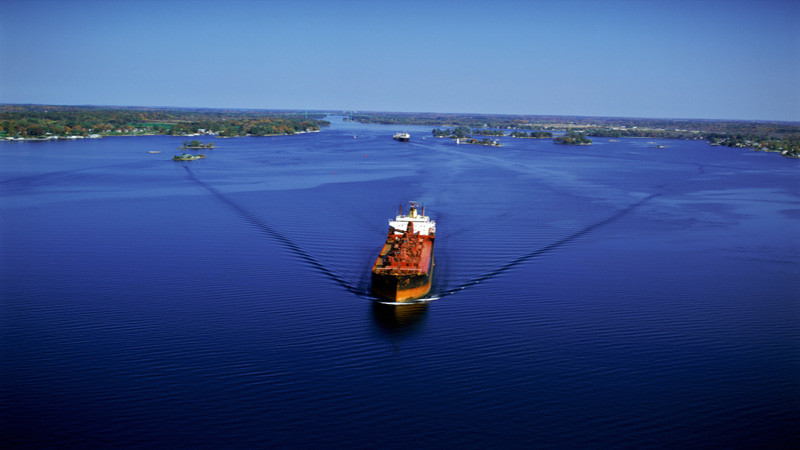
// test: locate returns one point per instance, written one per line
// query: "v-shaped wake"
(303, 255)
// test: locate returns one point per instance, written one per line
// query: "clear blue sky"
(665, 58)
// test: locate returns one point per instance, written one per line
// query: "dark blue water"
(616, 295)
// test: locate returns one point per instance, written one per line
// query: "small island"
(473, 141)
(187, 157)
(572, 138)
(196, 144)
(462, 136)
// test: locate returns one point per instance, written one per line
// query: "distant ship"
(402, 137)
(404, 269)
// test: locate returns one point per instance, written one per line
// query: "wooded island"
(196, 144)
(572, 138)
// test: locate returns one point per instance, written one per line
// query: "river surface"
(613, 295)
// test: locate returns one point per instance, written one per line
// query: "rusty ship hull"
(403, 271)
(402, 287)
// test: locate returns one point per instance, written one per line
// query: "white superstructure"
(422, 224)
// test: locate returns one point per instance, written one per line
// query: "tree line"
(572, 138)
(532, 134)
(37, 121)
(762, 135)
(457, 132)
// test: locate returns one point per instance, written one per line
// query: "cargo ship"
(402, 137)
(403, 271)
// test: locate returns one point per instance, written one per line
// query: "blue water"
(616, 295)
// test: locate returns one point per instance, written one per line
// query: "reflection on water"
(394, 319)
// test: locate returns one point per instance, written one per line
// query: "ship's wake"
(361, 287)
(281, 239)
(546, 249)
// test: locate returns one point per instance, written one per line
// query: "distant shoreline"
(99, 136)
(46, 122)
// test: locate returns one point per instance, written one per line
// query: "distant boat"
(402, 137)
(187, 157)
(154, 151)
